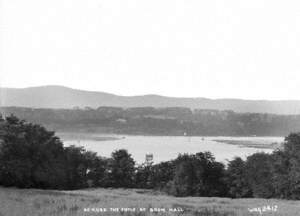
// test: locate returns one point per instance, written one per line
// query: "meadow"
(133, 202)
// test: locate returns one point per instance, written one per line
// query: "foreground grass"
(31, 202)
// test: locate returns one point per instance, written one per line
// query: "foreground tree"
(163, 174)
(97, 170)
(76, 167)
(280, 171)
(198, 175)
(259, 174)
(185, 179)
(144, 176)
(30, 156)
(237, 182)
(292, 161)
(122, 169)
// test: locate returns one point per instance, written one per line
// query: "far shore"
(88, 136)
(251, 144)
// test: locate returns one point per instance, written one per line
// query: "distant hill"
(63, 97)
(171, 121)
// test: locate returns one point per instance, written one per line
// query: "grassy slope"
(17, 202)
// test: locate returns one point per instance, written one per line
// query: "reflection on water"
(165, 148)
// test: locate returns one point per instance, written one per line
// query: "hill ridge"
(56, 96)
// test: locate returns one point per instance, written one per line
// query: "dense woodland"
(33, 157)
(159, 121)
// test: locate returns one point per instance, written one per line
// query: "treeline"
(33, 157)
(159, 121)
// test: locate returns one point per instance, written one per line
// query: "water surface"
(166, 148)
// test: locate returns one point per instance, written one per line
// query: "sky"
(183, 48)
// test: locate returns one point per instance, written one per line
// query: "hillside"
(159, 121)
(63, 97)
(20, 202)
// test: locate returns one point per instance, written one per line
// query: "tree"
(185, 179)
(30, 156)
(198, 175)
(259, 174)
(122, 169)
(237, 181)
(77, 167)
(211, 175)
(292, 163)
(280, 171)
(163, 173)
(97, 173)
(144, 176)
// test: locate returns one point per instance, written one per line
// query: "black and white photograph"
(149, 108)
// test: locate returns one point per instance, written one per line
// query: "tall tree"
(198, 175)
(237, 181)
(292, 152)
(122, 169)
(280, 171)
(259, 174)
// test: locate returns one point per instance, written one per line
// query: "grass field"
(28, 202)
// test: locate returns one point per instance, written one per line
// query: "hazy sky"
(219, 49)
